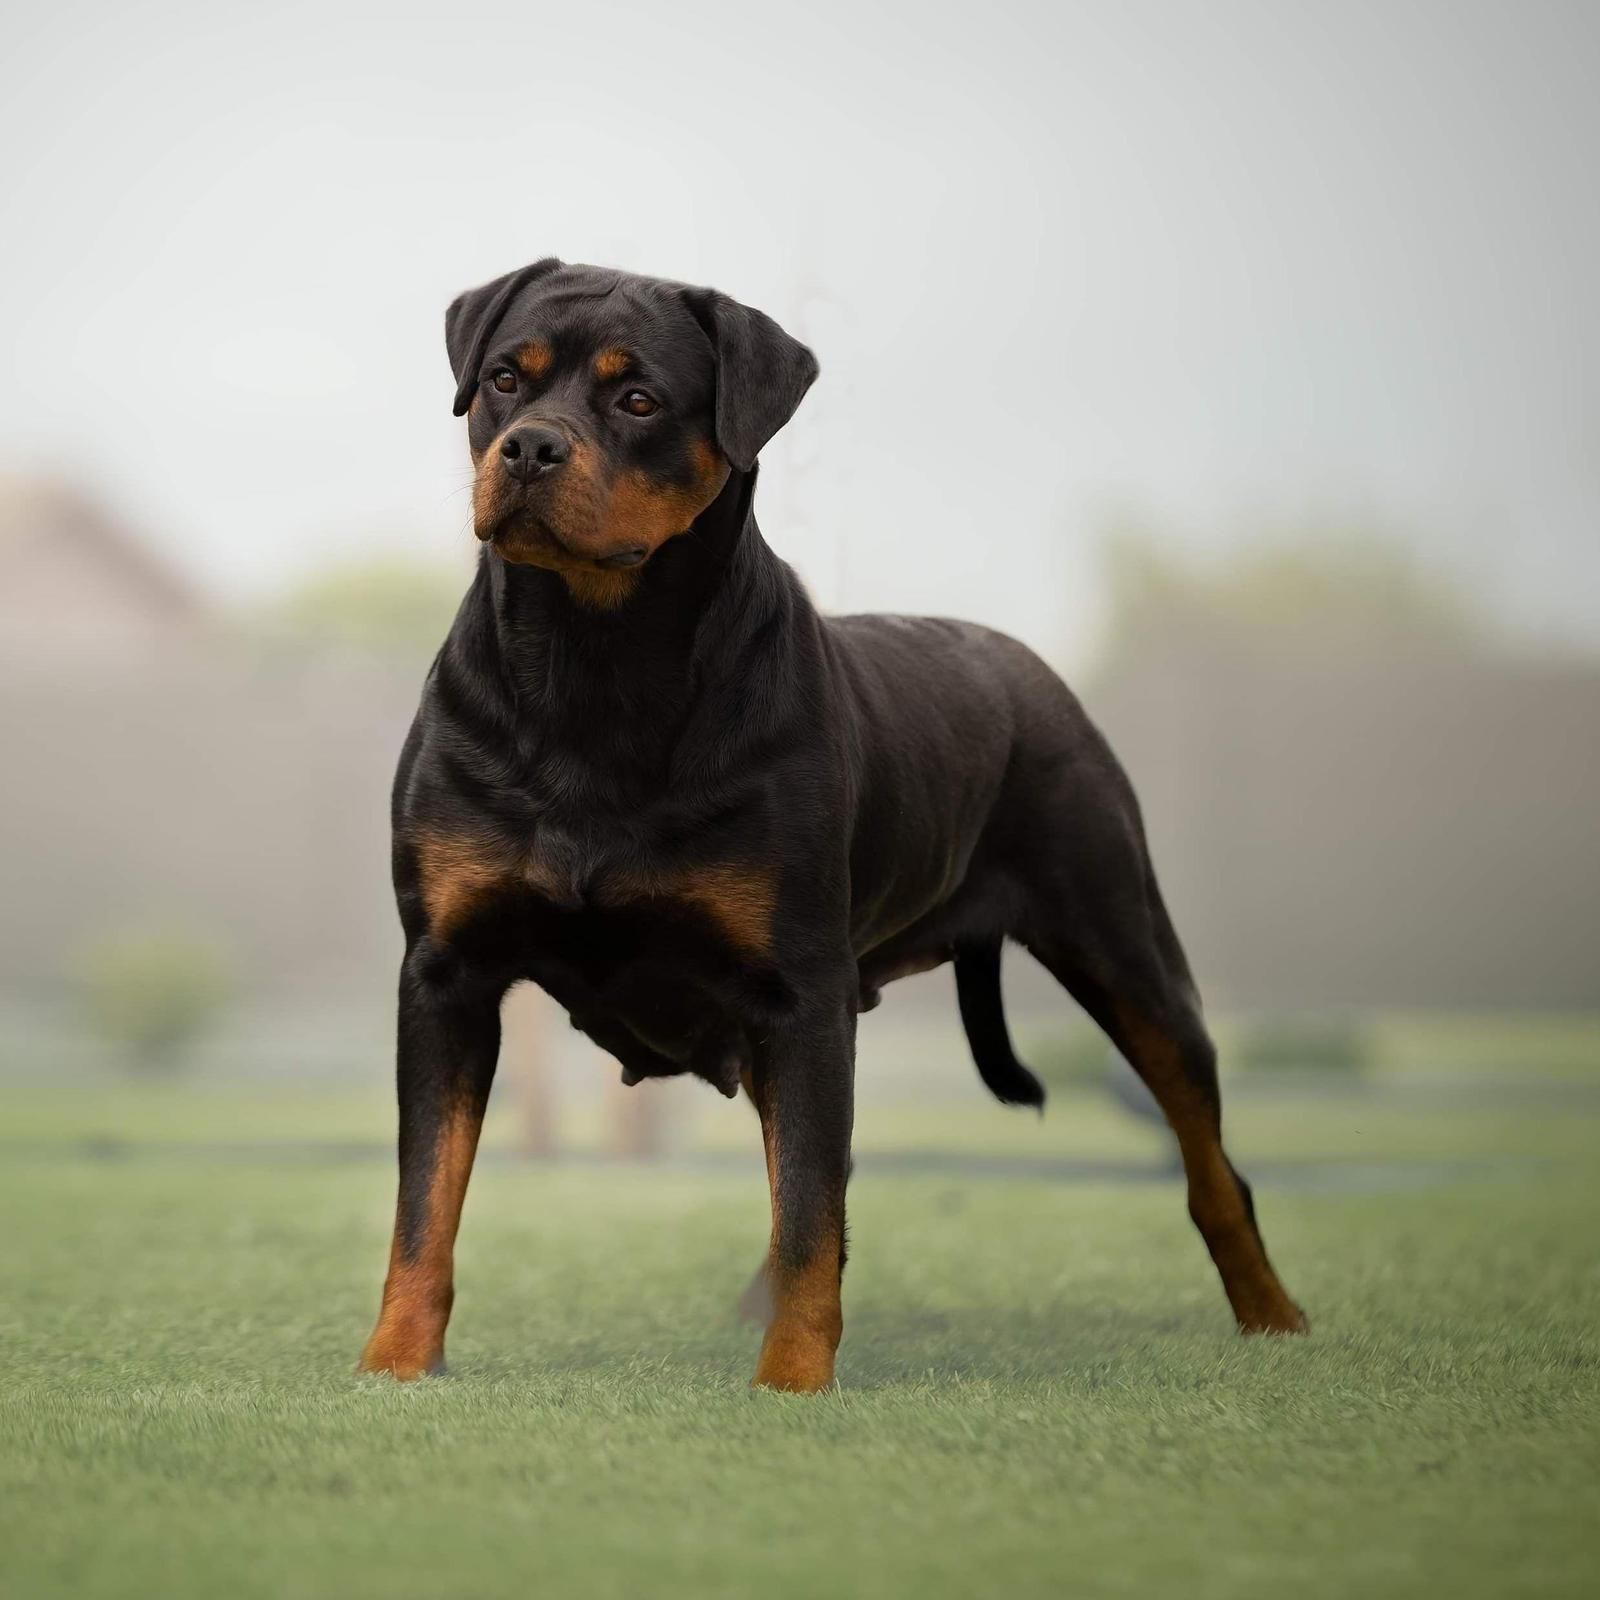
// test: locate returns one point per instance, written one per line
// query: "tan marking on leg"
(803, 1336)
(420, 1288)
(805, 1322)
(1216, 1203)
(1260, 1302)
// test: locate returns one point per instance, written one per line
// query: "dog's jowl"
(649, 777)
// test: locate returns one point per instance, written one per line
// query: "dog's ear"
(762, 373)
(470, 322)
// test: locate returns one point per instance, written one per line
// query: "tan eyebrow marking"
(535, 358)
(611, 363)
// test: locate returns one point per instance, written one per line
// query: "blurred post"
(637, 1123)
(527, 1069)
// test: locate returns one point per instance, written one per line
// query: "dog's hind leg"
(1098, 923)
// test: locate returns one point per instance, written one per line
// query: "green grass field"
(1040, 1392)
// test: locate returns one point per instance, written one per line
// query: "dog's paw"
(794, 1364)
(1288, 1318)
(390, 1351)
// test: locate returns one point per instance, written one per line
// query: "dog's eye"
(505, 380)
(637, 403)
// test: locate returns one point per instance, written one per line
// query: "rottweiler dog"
(648, 776)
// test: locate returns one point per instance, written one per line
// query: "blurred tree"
(1326, 1044)
(393, 606)
(1287, 589)
(151, 992)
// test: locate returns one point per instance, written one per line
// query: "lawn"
(1040, 1392)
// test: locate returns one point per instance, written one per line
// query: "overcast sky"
(1215, 261)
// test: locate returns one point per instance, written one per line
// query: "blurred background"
(1239, 358)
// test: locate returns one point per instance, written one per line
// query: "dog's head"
(605, 412)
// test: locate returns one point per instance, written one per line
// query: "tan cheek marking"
(571, 504)
(576, 506)
(535, 358)
(710, 462)
(490, 481)
(643, 509)
(636, 509)
(610, 364)
(457, 875)
(578, 491)
(486, 485)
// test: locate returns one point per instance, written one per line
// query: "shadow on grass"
(891, 1349)
(884, 1349)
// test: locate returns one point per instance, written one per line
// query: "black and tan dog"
(647, 775)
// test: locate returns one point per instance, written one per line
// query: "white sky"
(1213, 261)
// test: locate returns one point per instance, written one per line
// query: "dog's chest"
(564, 884)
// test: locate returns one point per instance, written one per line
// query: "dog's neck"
(602, 699)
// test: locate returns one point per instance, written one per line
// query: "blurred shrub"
(1475, 1044)
(1309, 587)
(1303, 1044)
(393, 607)
(151, 992)
(1074, 1058)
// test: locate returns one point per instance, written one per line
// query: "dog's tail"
(984, 1018)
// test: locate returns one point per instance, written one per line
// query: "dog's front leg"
(802, 1082)
(449, 1038)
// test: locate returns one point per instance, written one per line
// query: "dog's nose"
(533, 451)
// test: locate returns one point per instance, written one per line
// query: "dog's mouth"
(524, 538)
